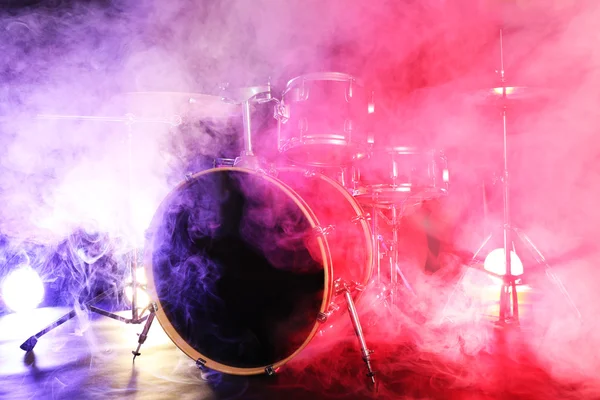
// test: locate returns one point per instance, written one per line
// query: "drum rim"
(359, 151)
(388, 195)
(166, 324)
(324, 76)
(385, 188)
(406, 150)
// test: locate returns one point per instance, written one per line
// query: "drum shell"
(327, 120)
(398, 174)
(317, 245)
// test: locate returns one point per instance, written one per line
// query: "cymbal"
(171, 108)
(167, 104)
(512, 93)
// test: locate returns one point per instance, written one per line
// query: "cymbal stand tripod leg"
(541, 260)
(131, 265)
(30, 343)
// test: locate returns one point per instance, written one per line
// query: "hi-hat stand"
(137, 316)
(508, 302)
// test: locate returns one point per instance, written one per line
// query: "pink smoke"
(425, 62)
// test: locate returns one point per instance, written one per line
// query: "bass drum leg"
(346, 229)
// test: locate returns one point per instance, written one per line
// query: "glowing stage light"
(495, 262)
(142, 299)
(22, 289)
(446, 176)
(508, 90)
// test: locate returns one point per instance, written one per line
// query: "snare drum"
(400, 174)
(323, 119)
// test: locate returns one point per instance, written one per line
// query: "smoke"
(427, 63)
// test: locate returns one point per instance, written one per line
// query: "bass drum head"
(231, 266)
(347, 229)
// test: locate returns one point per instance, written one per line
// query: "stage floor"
(89, 359)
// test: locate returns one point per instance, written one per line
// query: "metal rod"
(485, 209)
(30, 343)
(176, 120)
(501, 57)
(485, 241)
(404, 280)
(144, 335)
(131, 256)
(366, 353)
(376, 249)
(509, 280)
(549, 273)
(394, 255)
(246, 116)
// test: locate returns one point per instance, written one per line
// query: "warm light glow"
(495, 262)
(490, 299)
(140, 277)
(22, 289)
(500, 90)
(142, 299)
(446, 176)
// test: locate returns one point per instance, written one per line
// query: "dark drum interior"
(233, 270)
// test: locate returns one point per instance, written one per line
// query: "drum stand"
(131, 257)
(341, 287)
(509, 304)
(388, 294)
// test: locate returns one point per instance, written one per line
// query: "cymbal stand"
(509, 303)
(131, 258)
(509, 284)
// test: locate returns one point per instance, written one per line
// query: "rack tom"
(399, 174)
(323, 119)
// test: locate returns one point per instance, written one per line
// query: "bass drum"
(240, 264)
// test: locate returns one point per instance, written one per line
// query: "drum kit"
(247, 260)
(283, 244)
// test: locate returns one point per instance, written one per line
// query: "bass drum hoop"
(322, 76)
(166, 323)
